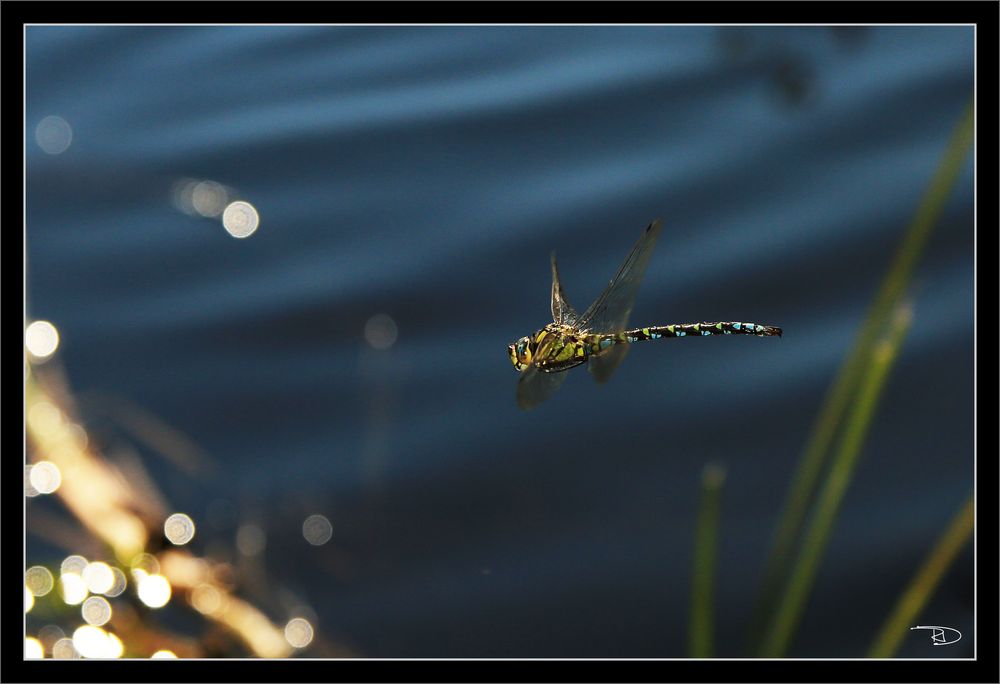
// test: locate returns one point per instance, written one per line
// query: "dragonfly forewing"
(562, 310)
(610, 311)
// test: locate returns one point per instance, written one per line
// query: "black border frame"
(985, 15)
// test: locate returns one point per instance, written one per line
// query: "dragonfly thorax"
(555, 347)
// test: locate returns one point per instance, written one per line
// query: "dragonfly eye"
(520, 353)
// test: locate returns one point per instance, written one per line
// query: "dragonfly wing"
(534, 387)
(603, 365)
(609, 313)
(562, 310)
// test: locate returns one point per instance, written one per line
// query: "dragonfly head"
(520, 352)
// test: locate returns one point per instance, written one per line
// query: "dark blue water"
(425, 174)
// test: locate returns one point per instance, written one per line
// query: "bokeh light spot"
(99, 577)
(381, 331)
(75, 564)
(115, 646)
(44, 418)
(91, 642)
(49, 635)
(53, 134)
(317, 530)
(33, 648)
(29, 489)
(146, 562)
(206, 599)
(29, 599)
(73, 588)
(64, 649)
(96, 611)
(45, 477)
(119, 583)
(78, 435)
(298, 632)
(154, 590)
(39, 580)
(182, 195)
(179, 529)
(250, 540)
(240, 219)
(209, 198)
(164, 654)
(41, 339)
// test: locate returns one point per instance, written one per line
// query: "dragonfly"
(600, 337)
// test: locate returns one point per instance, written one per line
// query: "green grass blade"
(803, 572)
(922, 587)
(894, 284)
(703, 571)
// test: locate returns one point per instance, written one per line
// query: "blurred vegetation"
(812, 504)
(922, 587)
(116, 523)
(705, 553)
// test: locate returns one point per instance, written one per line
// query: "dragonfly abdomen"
(697, 330)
